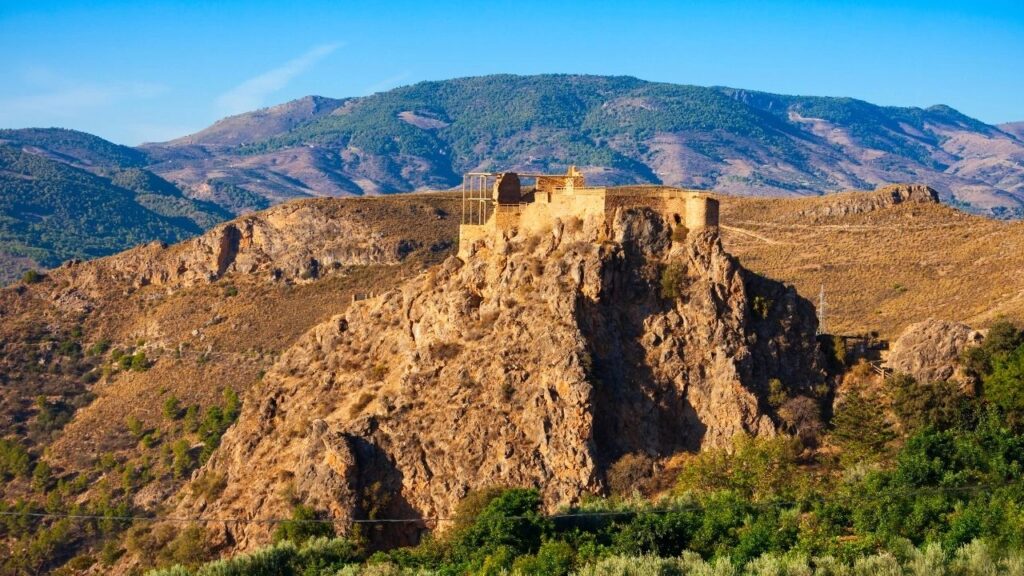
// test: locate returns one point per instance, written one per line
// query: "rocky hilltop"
(539, 361)
(570, 349)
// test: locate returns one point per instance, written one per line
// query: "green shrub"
(305, 523)
(190, 547)
(190, 421)
(761, 306)
(31, 277)
(139, 362)
(756, 468)
(135, 426)
(99, 348)
(51, 416)
(14, 460)
(777, 393)
(511, 519)
(1001, 340)
(172, 407)
(918, 404)
(554, 558)
(860, 429)
(470, 507)
(42, 475)
(1004, 386)
(321, 554)
(673, 280)
(183, 460)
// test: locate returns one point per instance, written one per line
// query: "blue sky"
(148, 71)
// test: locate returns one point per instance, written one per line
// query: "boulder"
(930, 350)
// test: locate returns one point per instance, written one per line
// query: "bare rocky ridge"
(930, 350)
(538, 361)
(861, 202)
(298, 241)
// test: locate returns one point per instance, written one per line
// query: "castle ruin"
(494, 203)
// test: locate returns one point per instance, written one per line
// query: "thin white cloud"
(386, 83)
(71, 100)
(252, 93)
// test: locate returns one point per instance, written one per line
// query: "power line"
(564, 515)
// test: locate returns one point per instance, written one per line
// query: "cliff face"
(538, 361)
(295, 241)
(881, 198)
(930, 350)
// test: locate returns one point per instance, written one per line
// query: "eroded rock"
(538, 361)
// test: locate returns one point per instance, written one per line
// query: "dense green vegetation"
(600, 121)
(75, 147)
(51, 211)
(935, 487)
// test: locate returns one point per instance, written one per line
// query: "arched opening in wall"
(677, 219)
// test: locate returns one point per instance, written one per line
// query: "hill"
(619, 129)
(70, 195)
(122, 342)
(883, 265)
(73, 147)
(1015, 128)
(122, 374)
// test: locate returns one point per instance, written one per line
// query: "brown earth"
(554, 355)
(883, 265)
(251, 305)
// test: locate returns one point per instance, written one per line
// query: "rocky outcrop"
(930, 350)
(883, 197)
(537, 361)
(297, 241)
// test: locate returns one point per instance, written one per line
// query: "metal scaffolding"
(476, 196)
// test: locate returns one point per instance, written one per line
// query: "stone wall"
(469, 234)
(701, 212)
(688, 208)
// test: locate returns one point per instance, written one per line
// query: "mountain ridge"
(619, 129)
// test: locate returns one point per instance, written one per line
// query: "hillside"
(883, 265)
(619, 129)
(237, 306)
(555, 357)
(122, 374)
(70, 195)
(1015, 128)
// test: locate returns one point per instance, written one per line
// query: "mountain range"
(424, 136)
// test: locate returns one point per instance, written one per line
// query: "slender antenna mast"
(821, 310)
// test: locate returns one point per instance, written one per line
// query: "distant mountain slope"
(261, 124)
(1015, 128)
(619, 129)
(73, 147)
(66, 194)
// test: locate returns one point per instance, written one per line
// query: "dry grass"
(881, 271)
(885, 269)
